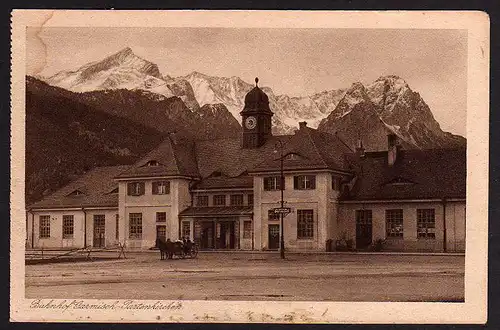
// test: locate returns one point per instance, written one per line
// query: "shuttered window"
(304, 182)
(135, 188)
(161, 187)
(273, 183)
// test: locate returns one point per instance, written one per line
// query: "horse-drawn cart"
(180, 249)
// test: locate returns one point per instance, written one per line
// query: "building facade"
(222, 194)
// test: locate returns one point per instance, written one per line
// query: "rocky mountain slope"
(124, 70)
(388, 105)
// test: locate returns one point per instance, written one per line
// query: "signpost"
(282, 210)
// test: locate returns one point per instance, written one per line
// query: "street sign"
(283, 210)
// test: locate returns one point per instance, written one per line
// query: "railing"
(58, 254)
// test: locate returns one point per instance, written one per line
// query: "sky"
(296, 62)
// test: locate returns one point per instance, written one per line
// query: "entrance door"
(161, 233)
(363, 232)
(274, 237)
(207, 234)
(226, 239)
(99, 230)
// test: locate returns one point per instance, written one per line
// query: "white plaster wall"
(316, 199)
(455, 220)
(148, 204)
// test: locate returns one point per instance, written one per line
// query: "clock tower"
(256, 118)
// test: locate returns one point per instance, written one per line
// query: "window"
(186, 229)
(394, 223)
(335, 183)
(219, 200)
(135, 188)
(273, 183)
(304, 182)
(247, 229)
(364, 217)
(305, 224)
(68, 223)
(161, 216)
(135, 225)
(152, 163)
(202, 200)
(117, 226)
(426, 223)
(44, 226)
(76, 193)
(161, 187)
(271, 216)
(250, 199)
(236, 200)
(292, 156)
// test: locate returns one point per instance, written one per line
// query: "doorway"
(226, 239)
(99, 230)
(274, 237)
(207, 235)
(161, 233)
(363, 232)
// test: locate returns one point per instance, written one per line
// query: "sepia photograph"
(258, 165)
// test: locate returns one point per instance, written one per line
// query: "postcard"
(249, 166)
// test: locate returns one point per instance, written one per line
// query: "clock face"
(250, 122)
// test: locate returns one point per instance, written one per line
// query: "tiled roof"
(417, 174)
(202, 158)
(314, 150)
(216, 211)
(221, 182)
(95, 185)
(174, 158)
(228, 157)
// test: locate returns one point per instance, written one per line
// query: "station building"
(222, 194)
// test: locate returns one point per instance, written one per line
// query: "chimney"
(302, 124)
(360, 149)
(392, 148)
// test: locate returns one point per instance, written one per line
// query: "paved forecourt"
(255, 276)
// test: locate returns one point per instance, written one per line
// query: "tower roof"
(256, 100)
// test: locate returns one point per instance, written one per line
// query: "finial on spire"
(256, 82)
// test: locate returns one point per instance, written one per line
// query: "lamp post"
(279, 145)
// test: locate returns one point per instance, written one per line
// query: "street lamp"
(279, 145)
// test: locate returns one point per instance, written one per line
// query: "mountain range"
(370, 112)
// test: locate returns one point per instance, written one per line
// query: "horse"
(169, 248)
(162, 245)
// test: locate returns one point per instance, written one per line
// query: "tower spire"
(256, 82)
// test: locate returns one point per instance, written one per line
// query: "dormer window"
(76, 193)
(153, 163)
(292, 156)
